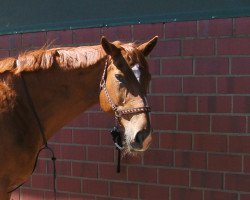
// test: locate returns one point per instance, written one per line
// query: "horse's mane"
(65, 58)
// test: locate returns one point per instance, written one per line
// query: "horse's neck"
(59, 96)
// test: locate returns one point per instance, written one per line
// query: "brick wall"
(200, 99)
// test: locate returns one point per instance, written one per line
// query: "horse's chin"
(130, 151)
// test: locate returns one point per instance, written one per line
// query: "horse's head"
(126, 82)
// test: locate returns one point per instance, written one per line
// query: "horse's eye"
(120, 78)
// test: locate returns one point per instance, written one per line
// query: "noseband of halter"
(119, 112)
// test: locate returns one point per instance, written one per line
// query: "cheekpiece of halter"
(118, 113)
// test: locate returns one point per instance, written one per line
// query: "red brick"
(175, 141)
(239, 144)
(124, 190)
(41, 166)
(83, 169)
(81, 121)
(154, 192)
(13, 53)
(233, 46)
(214, 104)
(212, 66)
(62, 167)
(4, 42)
(181, 29)
(177, 67)
(234, 85)
(207, 179)
(142, 174)
(237, 182)
(59, 195)
(69, 184)
(97, 187)
(103, 154)
(174, 177)
(167, 49)
(213, 143)
(109, 172)
(216, 27)
(16, 195)
(105, 138)
(241, 104)
(194, 160)
(155, 140)
(244, 196)
(87, 35)
(33, 40)
(73, 152)
(101, 120)
(163, 122)
(45, 153)
(86, 137)
(81, 197)
(4, 54)
(194, 123)
(229, 124)
(198, 47)
(62, 37)
(156, 103)
(240, 66)
(217, 195)
(42, 181)
(242, 26)
(220, 162)
(31, 194)
(118, 33)
(15, 41)
(180, 103)
(246, 164)
(185, 194)
(154, 66)
(166, 85)
(148, 31)
(199, 85)
(106, 198)
(62, 136)
(158, 158)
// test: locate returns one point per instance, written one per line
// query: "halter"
(119, 113)
(115, 132)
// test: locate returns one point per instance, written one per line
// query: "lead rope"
(115, 132)
(45, 143)
(116, 136)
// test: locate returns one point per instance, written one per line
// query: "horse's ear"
(147, 47)
(109, 48)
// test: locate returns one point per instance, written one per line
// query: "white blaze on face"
(137, 72)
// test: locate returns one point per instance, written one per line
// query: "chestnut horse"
(61, 83)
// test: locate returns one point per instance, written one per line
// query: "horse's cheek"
(105, 106)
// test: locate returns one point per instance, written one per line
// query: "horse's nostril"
(139, 138)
